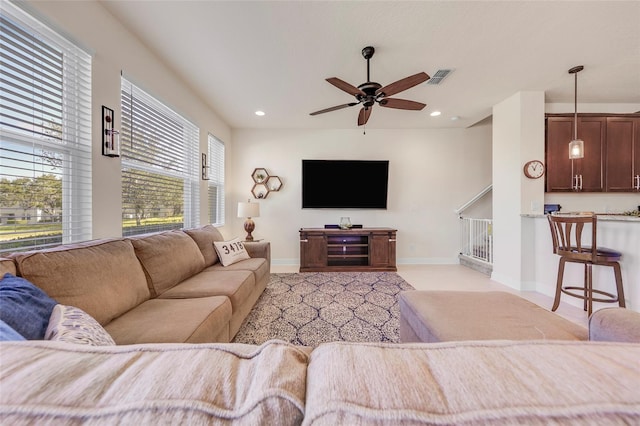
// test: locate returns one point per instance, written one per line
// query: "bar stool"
(570, 247)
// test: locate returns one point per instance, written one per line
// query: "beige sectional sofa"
(164, 287)
(453, 383)
(169, 287)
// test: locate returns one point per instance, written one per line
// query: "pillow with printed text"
(231, 251)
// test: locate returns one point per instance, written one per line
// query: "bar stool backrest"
(567, 235)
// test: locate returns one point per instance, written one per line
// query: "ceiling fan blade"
(401, 104)
(343, 85)
(404, 84)
(334, 108)
(363, 117)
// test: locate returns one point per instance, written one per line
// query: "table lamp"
(249, 210)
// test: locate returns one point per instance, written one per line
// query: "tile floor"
(461, 278)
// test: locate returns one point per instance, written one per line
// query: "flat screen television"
(344, 184)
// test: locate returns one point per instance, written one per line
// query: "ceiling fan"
(371, 92)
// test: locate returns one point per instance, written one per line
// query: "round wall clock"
(533, 169)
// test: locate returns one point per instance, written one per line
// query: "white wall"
(518, 136)
(431, 173)
(114, 50)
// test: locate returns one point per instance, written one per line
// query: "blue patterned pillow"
(24, 307)
(8, 334)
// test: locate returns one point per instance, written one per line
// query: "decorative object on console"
(345, 222)
(205, 167)
(576, 146)
(249, 210)
(264, 183)
(110, 136)
(534, 169)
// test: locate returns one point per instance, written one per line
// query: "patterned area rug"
(317, 307)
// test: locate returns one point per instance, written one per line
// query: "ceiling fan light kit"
(370, 92)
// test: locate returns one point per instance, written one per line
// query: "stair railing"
(476, 235)
(476, 239)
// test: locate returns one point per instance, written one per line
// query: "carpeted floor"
(317, 307)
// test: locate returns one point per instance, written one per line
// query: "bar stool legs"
(588, 291)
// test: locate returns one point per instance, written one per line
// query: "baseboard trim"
(401, 261)
(427, 261)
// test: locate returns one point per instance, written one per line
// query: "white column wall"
(518, 136)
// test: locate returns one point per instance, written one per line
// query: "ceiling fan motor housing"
(369, 88)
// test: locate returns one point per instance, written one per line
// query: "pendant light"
(576, 146)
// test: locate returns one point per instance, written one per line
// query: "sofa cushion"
(204, 238)
(472, 383)
(24, 307)
(615, 325)
(167, 258)
(8, 334)
(7, 266)
(230, 252)
(73, 325)
(199, 320)
(58, 383)
(257, 265)
(236, 285)
(439, 316)
(103, 278)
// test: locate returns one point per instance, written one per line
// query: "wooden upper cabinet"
(592, 130)
(559, 176)
(623, 154)
(585, 174)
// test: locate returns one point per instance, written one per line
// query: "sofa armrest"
(615, 325)
(259, 249)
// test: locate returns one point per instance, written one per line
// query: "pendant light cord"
(575, 106)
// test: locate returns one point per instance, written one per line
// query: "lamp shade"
(248, 209)
(576, 149)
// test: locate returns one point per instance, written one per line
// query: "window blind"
(216, 181)
(160, 165)
(45, 135)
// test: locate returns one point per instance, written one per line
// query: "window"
(216, 181)
(160, 165)
(45, 135)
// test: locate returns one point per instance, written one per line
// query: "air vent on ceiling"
(439, 76)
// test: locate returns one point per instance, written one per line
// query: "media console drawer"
(340, 250)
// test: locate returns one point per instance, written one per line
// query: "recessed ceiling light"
(435, 113)
(260, 113)
(455, 118)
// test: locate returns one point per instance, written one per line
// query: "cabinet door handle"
(580, 182)
(304, 241)
(392, 240)
(637, 178)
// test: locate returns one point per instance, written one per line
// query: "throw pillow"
(24, 307)
(73, 325)
(8, 334)
(231, 251)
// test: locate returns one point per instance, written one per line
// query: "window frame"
(158, 141)
(216, 183)
(57, 100)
